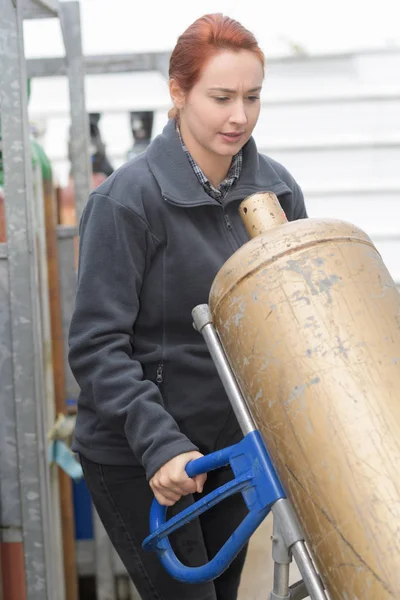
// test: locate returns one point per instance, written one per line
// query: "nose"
(238, 114)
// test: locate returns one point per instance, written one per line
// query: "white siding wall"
(333, 121)
(335, 124)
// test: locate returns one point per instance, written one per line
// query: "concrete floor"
(257, 577)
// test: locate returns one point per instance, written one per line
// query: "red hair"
(202, 40)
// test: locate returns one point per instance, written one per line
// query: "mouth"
(232, 136)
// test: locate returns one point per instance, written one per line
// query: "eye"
(221, 99)
(253, 98)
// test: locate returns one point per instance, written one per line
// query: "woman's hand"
(171, 481)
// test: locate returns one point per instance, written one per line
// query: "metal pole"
(282, 559)
(25, 324)
(203, 323)
(64, 495)
(66, 256)
(11, 542)
(308, 573)
(81, 174)
(80, 158)
(293, 537)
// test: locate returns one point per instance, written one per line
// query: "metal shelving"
(26, 516)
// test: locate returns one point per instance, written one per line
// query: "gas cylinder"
(309, 318)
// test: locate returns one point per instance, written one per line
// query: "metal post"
(46, 409)
(62, 485)
(293, 537)
(25, 323)
(203, 322)
(282, 559)
(66, 256)
(79, 149)
(11, 540)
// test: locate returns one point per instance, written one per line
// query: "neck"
(214, 166)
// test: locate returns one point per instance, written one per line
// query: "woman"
(153, 236)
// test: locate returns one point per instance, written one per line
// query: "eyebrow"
(229, 91)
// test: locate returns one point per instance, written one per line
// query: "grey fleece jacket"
(151, 243)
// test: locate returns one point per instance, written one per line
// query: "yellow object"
(63, 428)
(309, 318)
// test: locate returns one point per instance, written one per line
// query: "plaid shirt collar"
(220, 192)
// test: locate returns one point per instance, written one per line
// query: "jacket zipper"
(160, 372)
(160, 368)
(231, 233)
(227, 221)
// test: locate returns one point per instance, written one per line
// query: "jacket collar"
(179, 184)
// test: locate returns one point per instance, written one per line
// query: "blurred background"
(330, 113)
(330, 103)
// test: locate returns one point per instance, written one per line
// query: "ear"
(178, 96)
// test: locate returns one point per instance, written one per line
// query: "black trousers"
(123, 497)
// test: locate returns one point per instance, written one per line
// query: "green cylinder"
(41, 157)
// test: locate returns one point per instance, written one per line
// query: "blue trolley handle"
(255, 478)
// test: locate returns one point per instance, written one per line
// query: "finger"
(164, 483)
(163, 501)
(188, 486)
(166, 499)
(200, 481)
(173, 493)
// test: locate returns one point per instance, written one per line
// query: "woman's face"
(219, 113)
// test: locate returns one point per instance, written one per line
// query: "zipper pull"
(159, 376)
(227, 221)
